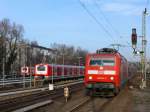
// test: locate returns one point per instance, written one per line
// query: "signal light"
(134, 38)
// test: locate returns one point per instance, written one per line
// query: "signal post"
(143, 51)
(66, 93)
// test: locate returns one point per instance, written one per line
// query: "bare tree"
(69, 53)
(16, 51)
(10, 36)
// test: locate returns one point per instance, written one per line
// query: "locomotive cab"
(42, 71)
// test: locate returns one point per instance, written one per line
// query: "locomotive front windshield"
(102, 62)
(41, 68)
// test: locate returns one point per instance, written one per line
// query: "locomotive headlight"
(111, 78)
(90, 77)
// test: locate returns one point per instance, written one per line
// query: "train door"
(59, 71)
(70, 71)
(65, 71)
(55, 70)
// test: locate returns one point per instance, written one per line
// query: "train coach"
(106, 70)
(58, 72)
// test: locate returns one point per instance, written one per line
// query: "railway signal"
(143, 51)
(134, 38)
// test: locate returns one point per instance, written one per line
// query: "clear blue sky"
(67, 22)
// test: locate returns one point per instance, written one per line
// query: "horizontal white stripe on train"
(107, 72)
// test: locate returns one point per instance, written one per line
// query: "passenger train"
(106, 70)
(58, 72)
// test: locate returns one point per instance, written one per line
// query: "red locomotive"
(46, 71)
(105, 70)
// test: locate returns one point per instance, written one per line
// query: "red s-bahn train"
(58, 72)
(106, 70)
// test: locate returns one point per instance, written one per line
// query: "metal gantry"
(144, 43)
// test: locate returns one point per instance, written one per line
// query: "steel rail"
(21, 102)
(38, 89)
(34, 106)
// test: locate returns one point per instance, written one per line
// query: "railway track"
(18, 92)
(88, 105)
(23, 101)
(98, 103)
(81, 103)
(77, 107)
(6, 90)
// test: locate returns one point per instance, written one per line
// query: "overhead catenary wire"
(147, 3)
(130, 55)
(96, 20)
(102, 26)
(123, 49)
(106, 19)
(110, 24)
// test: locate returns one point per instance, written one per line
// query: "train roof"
(107, 51)
(58, 65)
(66, 65)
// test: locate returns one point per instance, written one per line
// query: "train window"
(95, 62)
(108, 63)
(41, 68)
(102, 62)
(25, 69)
